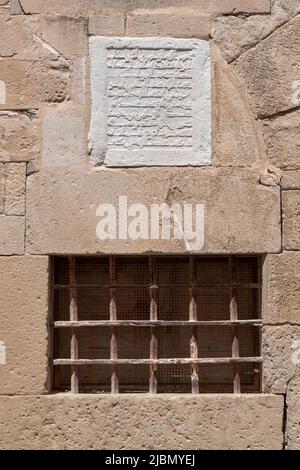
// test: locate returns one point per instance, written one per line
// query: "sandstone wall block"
(241, 216)
(236, 137)
(270, 70)
(63, 137)
(15, 180)
(67, 35)
(172, 422)
(23, 326)
(291, 180)
(12, 233)
(74, 8)
(283, 141)
(112, 25)
(236, 34)
(292, 435)
(291, 220)
(2, 188)
(213, 6)
(19, 36)
(169, 22)
(281, 346)
(282, 288)
(30, 84)
(19, 134)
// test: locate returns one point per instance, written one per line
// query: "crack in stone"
(263, 38)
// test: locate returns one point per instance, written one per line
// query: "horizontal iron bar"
(214, 360)
(249, 285)
(149, 323)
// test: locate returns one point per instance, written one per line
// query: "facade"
(149, 224)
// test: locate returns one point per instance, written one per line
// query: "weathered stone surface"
(16, 7)
(19, 135)
(214, 6)
(271, 69)
(112, 25)
(67, 8)
(270, 176)
(67, 35)
(174, 22)
(281, 301)
(63, 137)
(84, 7)
(236, 34)
(23, 326)
(61, 209)
(29, 84)
(281, 353)
(15, 178)
(283, 140)
(291, 180)
(142, 422)
(236, 135)
(12, 230)
(78, 81)
(291, 220)
(19, 36)
(292, 434)
(156, 113)
(2, 188)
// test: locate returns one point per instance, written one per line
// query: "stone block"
(19, 36)
(78, 70)
(23, 326)
(19, 134)
(281, 302)
(292, 430)
(2, 187)
(113, 25)
(241, 215)
(16, 7)
(213, 6)
(236, 135)
(291, 220)
(74, 8)
(290, 180)
(282, 138)
(142, 422)
(32, 83)
(281, 356)
(63, 137)
(68, 36)
(15, 180)
(173, 22)
(12, 233)
(271, 69)
(236, 34)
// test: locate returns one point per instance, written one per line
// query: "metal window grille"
(158, 324)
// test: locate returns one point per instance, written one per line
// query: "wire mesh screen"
(157, 324)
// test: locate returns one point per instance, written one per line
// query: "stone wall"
(49, 191)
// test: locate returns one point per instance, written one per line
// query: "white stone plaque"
(151, 101)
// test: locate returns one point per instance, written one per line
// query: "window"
(158, 324)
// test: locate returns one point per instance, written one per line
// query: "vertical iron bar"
(73, 317)
(193, 315)
(153, 317)
(235, 348)
(113, 317)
